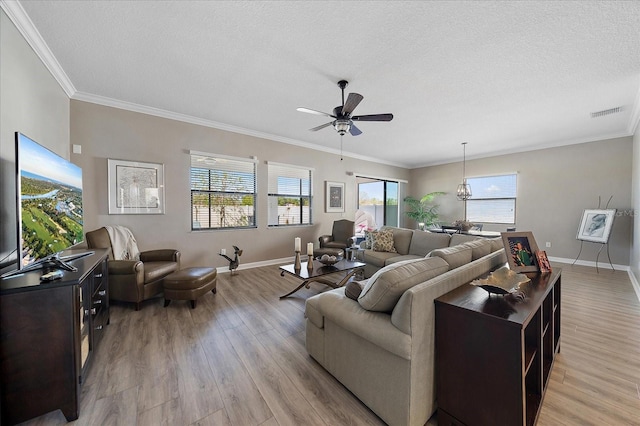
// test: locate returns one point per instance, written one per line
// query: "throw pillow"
(368, 239)
(387, 285)
(353, 289)
(383, 241)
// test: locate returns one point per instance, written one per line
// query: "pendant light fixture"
(464, 190)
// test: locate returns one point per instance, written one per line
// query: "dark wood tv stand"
(48, 334)
(494, 355)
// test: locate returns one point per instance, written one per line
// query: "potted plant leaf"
(423, 210)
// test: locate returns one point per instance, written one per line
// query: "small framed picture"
(543, 261)
(521, 248)
(135, 187)
(334, 202)
(595, 225)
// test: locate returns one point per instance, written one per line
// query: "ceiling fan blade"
(315, 129)
(313, 111)
(352, 102)
(373, 117)
(354, 130)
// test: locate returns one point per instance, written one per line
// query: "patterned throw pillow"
(383, 241)
(368, 239)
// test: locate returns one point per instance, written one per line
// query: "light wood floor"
(239, 359)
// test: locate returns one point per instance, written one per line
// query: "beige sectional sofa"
(409, 244)
(380, 345)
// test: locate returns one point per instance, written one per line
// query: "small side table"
(352, 253)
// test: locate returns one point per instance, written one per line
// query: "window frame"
(273, 192)
(473, 200)
(225, 194)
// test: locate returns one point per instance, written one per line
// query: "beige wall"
(106, 132)
(635, 198)
(554, 186)
(31, 102)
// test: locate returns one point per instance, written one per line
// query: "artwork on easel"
(595, 225)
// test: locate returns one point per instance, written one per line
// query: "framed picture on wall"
(135, 187)
(334, 193)
(595, 225)
(521, 251)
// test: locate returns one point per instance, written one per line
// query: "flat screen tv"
(50, 214)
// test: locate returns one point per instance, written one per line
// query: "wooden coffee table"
(322, 273)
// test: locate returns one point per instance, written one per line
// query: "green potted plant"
(422, 210)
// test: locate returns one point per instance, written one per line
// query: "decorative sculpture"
(235, 262)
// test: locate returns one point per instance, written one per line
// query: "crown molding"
(557, 144)
(25, 26)
(157, 112)
(634, 119)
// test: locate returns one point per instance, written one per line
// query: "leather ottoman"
(189, 284)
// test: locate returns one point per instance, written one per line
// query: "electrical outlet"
(548, 244)
(223, 251)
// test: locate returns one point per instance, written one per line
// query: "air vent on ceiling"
(606, 112)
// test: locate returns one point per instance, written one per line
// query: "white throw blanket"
(123, 243)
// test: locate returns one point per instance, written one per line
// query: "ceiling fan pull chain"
(341, 147)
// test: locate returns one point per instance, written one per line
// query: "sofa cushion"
(383, 241)
(457, 239)
(479, 248)
(496, 244)
(423, 242)
(402, 258)
(353, 289)
(377, 258)
(455, 256)
(384, 288)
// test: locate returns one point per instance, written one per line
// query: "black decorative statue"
(233, 263)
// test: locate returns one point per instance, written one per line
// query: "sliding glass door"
(380, 199)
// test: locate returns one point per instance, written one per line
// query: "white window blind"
(223, 192)
(289, 193)
(493, 199)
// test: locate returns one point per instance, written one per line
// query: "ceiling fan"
(343, 120)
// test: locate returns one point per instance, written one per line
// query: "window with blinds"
(289, 195)
(493, 199)
(223, 192)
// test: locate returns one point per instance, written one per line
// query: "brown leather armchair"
(341, 235)
(135, 280)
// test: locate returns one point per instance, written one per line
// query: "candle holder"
(310, 263)
(296, 262)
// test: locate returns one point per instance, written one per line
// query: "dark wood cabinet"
(48, 332)
(494, 354)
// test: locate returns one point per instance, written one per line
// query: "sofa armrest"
(125, 267)
(162, 255)
(334, 306)
(325, 239)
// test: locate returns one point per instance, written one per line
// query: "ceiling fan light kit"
(343, 122)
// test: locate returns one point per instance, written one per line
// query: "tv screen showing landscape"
(50, 201)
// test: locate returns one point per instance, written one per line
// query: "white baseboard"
(603, 265)
(225, 269)
(634, 283)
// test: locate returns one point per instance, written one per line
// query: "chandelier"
(464, 190)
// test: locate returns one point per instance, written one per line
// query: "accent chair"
(135, 280)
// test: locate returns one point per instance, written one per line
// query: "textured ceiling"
(502, 76)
